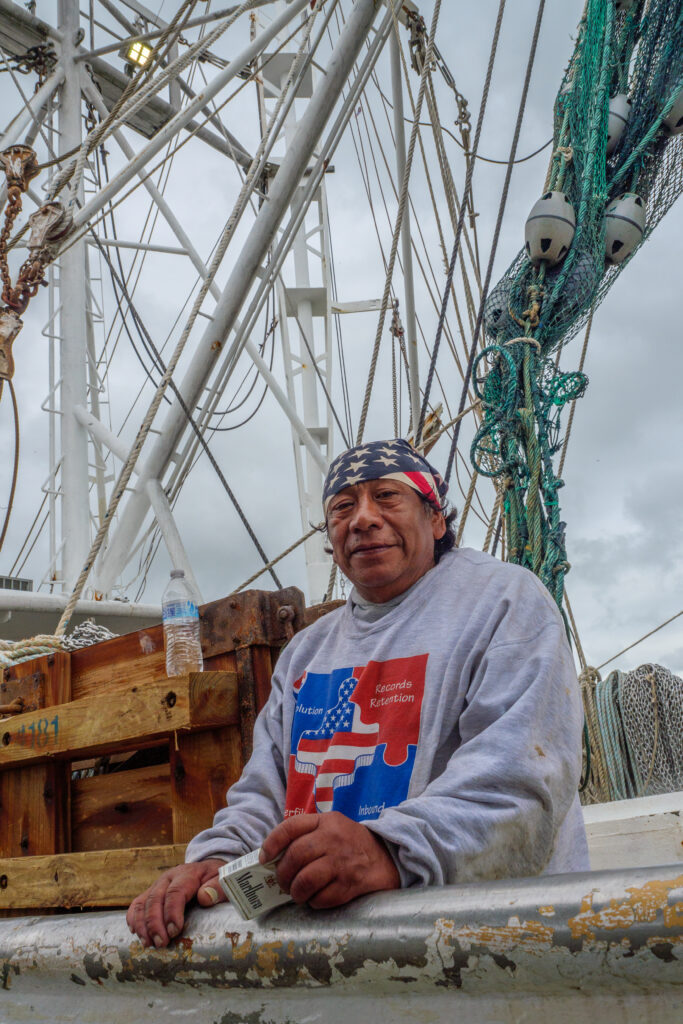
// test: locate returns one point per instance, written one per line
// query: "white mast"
(73, 387)
(304, 298)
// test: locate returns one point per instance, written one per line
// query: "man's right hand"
(158, 915)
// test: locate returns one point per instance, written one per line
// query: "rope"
(494, 518)
(188, 415)
(399, 220)
(435, 437)
(128, 104)
(14, 651)
(466, 509)
(127, 470)
(573, 405)
(636, 642)
(575, 633)
(15, 467)
(461, 221)
(499, 221)
(274, 561)
(597, 783)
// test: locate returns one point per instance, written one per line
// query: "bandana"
(381, 460)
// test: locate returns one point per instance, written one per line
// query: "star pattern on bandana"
(379, 459)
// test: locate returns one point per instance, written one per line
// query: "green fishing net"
(628, 49)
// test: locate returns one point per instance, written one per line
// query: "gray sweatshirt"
(451, 727)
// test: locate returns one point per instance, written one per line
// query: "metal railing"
(541, 949)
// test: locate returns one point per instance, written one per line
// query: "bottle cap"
(177, 574)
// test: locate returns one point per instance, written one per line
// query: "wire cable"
(15, 466)
(459, 229)
(192, 424)
(496, 233)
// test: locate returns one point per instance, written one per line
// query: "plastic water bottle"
(180, 615)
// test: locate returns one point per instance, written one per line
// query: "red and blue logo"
(354, 738)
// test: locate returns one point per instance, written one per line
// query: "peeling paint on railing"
(503, 952)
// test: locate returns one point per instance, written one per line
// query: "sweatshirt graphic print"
(354, 738)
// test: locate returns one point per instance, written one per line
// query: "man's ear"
(438, 524)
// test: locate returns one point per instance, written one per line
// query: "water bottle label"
(180, 612)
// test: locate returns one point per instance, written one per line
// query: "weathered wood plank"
(34, 802)
(122, 809)
(135, 659)
(136, 717)
(107, 878)
(203, 767)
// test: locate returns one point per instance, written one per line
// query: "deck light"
(136, 55)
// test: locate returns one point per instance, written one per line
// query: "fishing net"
(629, 50)
(635, 724)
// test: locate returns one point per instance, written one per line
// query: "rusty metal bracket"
(48, 224)
(253, 617)
(20, 165)
(10, 325)
(22, 695)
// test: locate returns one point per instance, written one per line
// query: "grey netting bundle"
(651, 701)
(635, 724)
(616, 168)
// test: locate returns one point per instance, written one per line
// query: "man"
(428, 732)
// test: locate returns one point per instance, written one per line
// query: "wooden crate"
(70, 838)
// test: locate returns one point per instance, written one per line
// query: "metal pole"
(172, 127)
(305, 195)
(93, 95)
(18, 125)
(169, 531)
(406, 244)
(94, 395)
(289, 410)
(157, 496)
(200, 266)
(143, 37)
(75, 505)
(240, 281)
(309, 486)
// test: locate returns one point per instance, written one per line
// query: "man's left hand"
(328, 859)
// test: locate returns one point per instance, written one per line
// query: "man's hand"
(158, 915)
(329, 859)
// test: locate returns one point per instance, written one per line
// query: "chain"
(11, 213)
(20, 166)
(39, 59)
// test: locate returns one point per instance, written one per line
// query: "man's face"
(382, 537)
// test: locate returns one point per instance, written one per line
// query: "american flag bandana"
(380, 460)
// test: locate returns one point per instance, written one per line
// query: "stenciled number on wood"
(39, 733)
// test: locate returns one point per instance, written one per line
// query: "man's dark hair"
(441, 546)
(448, 541)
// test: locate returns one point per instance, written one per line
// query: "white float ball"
(550, 229)
(624, 226)
(619, 111)
(674, 119)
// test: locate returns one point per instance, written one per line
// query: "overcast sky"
(622, 478)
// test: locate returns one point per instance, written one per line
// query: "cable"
(28, 535)
(397, 229)
(636, 642)
(499, 221)
(194, 426)
(15, 468)
(322, 382)
(459, 229)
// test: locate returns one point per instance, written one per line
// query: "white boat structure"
(253, 315)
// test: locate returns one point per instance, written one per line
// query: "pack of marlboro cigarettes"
(251, 887)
